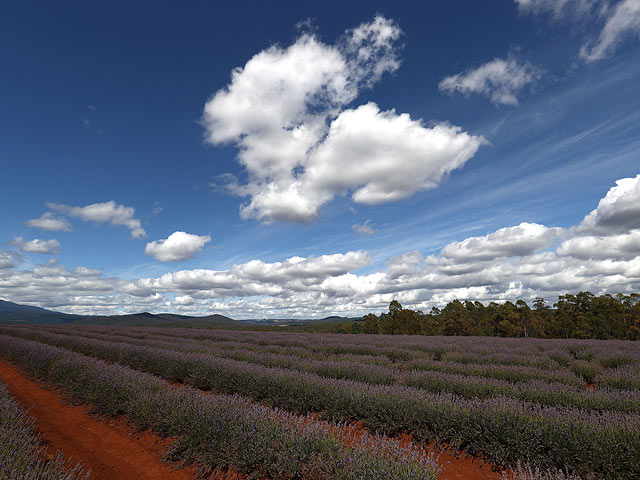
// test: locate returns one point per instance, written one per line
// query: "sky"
(305, 159)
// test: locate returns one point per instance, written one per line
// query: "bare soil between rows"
(110, 448)
(113, 450)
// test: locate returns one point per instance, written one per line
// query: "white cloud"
(521, 240)
(500, 80)
(404, 264)
(38, 245)
(177, 247)
(253, 278)
(601, 254)
(617, 212)
(86, 272)
(184, 300)
(104, 212)
(623, 246)
(623, 21)
(390, 157)
(52, 285)
(365, 228)
(285, 111)
(48, 221)
(9, 259)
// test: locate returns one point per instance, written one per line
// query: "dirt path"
(114, 451)
(465, 467)
(108, 448)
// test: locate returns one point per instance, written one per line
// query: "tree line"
(583, 315)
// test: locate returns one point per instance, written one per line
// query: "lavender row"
(221, 431)
(433, 345)
(503, 430)
(535, 391)
(570, 365)
(21, 456)
(527, 472)
(322, 351)
(370, 373)
(546, 354)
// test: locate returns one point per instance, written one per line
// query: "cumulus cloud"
(518, 241)
(365, 228)
(404, 264)
(184, 300)
(623, 246)
(106, 212)
(601, 254)
(500, 80)
(617, 212)
(38, 245)
(177, 247)
(48, 221)
(285, 111)
(253, 278)
(624, 21)
(51, 285)
(9, 259)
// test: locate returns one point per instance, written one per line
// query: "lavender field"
(281, 398)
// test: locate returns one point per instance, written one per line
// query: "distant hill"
(302, 321)
(15, 313)
(146, 319)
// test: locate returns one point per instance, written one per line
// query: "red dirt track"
(114, 451)
(108, 448)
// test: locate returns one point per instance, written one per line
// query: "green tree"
(370, 324)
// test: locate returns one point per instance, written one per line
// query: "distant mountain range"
(14, 313)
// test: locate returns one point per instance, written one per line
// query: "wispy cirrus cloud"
(623, 22)
(561, 8)
(366, 228)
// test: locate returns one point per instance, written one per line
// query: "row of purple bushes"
(540, 353)
(503, 430)
(575, 360)
(218, 431)
(534, 385)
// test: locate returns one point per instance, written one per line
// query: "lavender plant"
(21, 456)
(504, 430)
(218, 432)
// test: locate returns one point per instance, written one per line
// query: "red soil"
(465, 467)
(111, 449)
(462, 467)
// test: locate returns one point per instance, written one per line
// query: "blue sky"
(359, 153)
